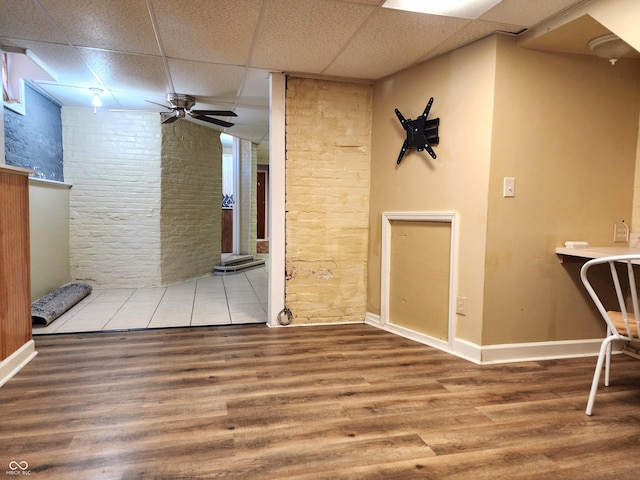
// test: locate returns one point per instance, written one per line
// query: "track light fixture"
(96, 101)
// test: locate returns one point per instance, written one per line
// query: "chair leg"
(607, 365)
(604, 348)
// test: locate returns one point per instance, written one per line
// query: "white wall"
(112, 159)
(248, 163)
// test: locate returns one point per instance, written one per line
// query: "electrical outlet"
(461, 305)
(620, 232)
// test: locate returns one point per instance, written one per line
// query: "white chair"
(621, 323)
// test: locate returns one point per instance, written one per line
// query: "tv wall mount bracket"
(421, 133)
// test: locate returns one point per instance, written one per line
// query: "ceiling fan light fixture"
(609, 46)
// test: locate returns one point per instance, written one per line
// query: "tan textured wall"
(190, 217)
(423, 248)
(328, 137)
(461, 84)
(566, 128)
(49, 236)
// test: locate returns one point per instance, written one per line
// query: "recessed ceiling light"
(451, 8)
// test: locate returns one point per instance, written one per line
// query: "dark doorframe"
(261, 200)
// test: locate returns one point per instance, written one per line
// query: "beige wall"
(49, 236)
(328, 137)
(191, 207)
(421, 248)
(462, 84)
(566, 128)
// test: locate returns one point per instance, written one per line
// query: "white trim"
(452, 218)
(316, 324)
(49, 183)
(16, 361)
(237, 195)
(522, 352)
(467, 350)
(276, 212)
(495, 354)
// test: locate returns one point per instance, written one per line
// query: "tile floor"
(211, 300)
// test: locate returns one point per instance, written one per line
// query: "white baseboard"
(316, 324)
(16, 361)
(522, 352)
(504, 353)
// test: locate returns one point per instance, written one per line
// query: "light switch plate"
(509, 187)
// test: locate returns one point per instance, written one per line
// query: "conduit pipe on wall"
(286, 311)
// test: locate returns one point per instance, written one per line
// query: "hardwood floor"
(334, 402)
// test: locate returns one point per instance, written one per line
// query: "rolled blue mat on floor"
(46, 309)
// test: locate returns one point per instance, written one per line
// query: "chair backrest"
(623, 320)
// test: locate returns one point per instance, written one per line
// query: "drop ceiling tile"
(392, 40)
(253, 116)
(200, 78)
(305, 35)
(252, 133)
(63, 61)
(126, 72)
(119, 25)
(133, 101)
(526, 12)
(255, 83)
(218, 31)
(23, 19)
(470, 33)
(78, 97)
(66, 95)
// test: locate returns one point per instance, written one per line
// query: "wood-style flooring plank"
(331, 402)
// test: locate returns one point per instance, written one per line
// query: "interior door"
(261, 200)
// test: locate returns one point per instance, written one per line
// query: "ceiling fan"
(181, 105)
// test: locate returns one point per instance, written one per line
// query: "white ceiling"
(221, 51)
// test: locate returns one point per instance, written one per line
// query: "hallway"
(211, 300)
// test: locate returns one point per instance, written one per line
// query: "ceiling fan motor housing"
(180, 100)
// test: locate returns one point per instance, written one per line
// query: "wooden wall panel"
(15, 284)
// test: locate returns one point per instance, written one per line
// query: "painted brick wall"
(34, 140)
(190, 226)
(248, 208)
(327, 199)
(112, 159)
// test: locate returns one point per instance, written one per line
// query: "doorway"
(261, 204)
(262, 209)
(228, 193)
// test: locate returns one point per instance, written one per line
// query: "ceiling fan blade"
(170, 119)
(216, 121)
(220, 113)
(159, 104)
